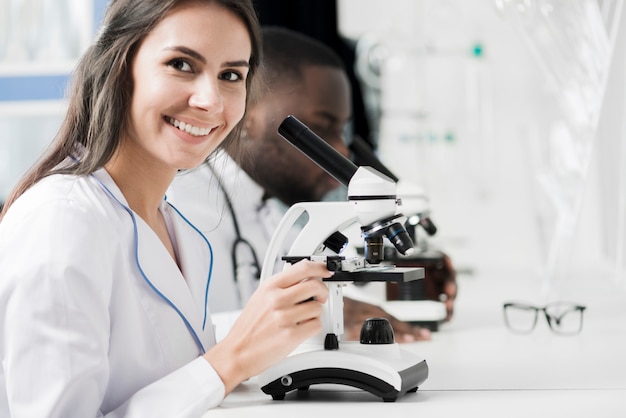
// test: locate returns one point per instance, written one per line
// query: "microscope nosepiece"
(393, 230)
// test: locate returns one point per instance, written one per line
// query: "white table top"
(477, 366)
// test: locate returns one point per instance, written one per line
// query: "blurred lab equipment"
(44, 31)
(433, 101)
(40, 41)
(376, 363)
(521, 111)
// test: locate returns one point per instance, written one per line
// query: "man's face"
(321, 101)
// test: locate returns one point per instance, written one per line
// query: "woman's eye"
(231, 76)
(181, 65)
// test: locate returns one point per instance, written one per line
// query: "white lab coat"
(82, 332)
(198, 195)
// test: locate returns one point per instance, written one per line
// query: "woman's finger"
(303, 269)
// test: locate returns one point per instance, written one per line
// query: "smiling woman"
(104, 291)
(191, 68)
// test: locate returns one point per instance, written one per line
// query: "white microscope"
(376, 363)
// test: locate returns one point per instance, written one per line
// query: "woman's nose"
(206, 95)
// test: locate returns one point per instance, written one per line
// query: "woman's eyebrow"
(240, 63)
(187, 51)
(196, 55)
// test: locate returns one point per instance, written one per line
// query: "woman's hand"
(284, 311)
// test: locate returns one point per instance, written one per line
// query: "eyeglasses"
(564, 318)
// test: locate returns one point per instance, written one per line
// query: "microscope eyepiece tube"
(318, 150)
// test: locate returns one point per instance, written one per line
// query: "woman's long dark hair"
(102, 87)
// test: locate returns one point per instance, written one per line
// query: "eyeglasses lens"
(520, 318)
(565, 319)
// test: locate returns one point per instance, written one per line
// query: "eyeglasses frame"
(549, 317)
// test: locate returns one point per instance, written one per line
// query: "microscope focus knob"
(376, 331)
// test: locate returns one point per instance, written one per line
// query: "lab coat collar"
(183, 289)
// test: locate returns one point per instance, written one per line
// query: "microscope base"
(386, 371)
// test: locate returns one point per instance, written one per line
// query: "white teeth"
(190, 129)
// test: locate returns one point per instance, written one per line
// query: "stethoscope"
(240, 241)
(147, 279)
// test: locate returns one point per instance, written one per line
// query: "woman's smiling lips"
(188, 128)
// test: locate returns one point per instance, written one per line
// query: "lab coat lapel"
(164, 277)
(185, 288)
(160, 270)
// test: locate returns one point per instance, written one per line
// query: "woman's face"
(189, 86)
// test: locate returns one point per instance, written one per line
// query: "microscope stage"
(378, 274)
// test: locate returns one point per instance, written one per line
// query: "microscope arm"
(312, 235)
(309, 242)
